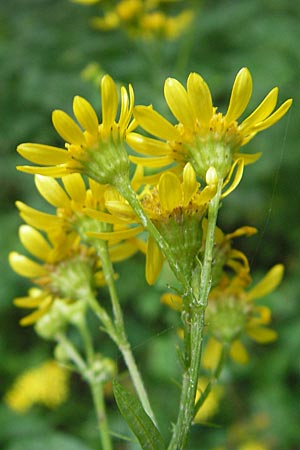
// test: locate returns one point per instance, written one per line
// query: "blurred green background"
(45, 45)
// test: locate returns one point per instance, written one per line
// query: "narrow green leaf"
(136, 418)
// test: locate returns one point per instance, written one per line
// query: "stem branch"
(120, 337)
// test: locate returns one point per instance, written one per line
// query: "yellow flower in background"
(66, 269)
(211, 404)
(231, 313)
(142, 18)
(47, 385)
(203, 136)
(91, 148)
(224, 255)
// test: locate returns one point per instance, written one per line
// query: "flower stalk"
(120, 336)
(197, 298)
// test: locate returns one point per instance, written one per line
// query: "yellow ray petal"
(238, 352)
(242, 231)
(122, 251)
(109, 98)
(271, 280)
(58, 171)
(155, 124)
(200, 98)
(206, 195)
(115, 236)
(120, 209)
(34, 317)
(126, 107)
(172, 300)
(28, 302)
(38, 219)
(154, 261)
(43, 154)
(147, 146)
(85, 114)
(34, 242)
(25, 266)
(262, 335)
(262, 317)
(239, 166)
(261, 112)
(67, 128)
(247, 157)
(189, 185)
(75, 186)
(179, 103)
(169, 190)
(103, 217)
(160, 161)
(240, 95)
(280, 112)
(52, 191)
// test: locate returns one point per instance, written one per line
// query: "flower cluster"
(47, 385)
(141, 18)
(103, 215)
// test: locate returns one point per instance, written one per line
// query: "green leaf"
(136, 418)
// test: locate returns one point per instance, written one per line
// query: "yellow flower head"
(47, 385)
(66, 270)
(78, 209)
(91, 148)
(143, 19)
(177, 208)
(232, 313)
(204, 136)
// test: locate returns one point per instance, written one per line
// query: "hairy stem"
(99, 404)
(198, 298)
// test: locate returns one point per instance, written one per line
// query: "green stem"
(120, 337)
(128, 193)
(96, 387)
(108, 271)
(198, 301)
(87, 341)
(72, 352)
(98, 399)
(102, 315)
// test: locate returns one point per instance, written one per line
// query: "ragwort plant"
(103, 215)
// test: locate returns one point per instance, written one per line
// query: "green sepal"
(136, 418)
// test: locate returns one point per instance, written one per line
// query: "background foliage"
(44, 47)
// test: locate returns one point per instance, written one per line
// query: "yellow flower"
(203, 136)
(176, 206)
(211, 403)
(47, 384)
(231, 313)
(143, 19)
(91, 148)
(78, 209)
(66, 269)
